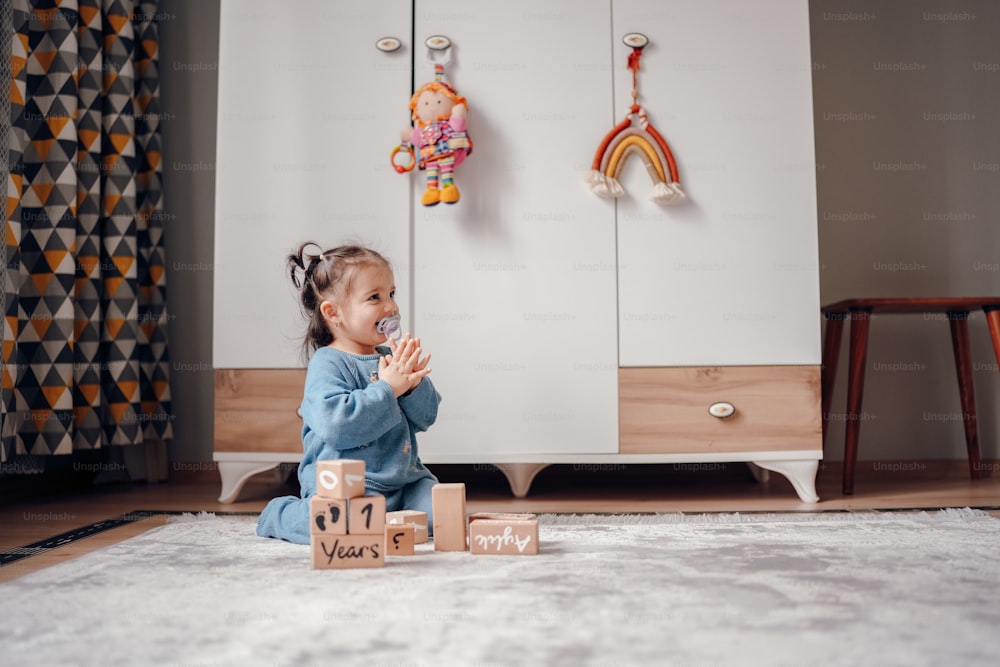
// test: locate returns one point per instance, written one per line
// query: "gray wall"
(907, 99)
(189, 51)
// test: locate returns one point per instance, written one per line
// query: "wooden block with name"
(399, 539)
(339, 552)
(366, 515)
(416, 517)
(340, 478)
(448, 507)
(505, 534)
(327, 516)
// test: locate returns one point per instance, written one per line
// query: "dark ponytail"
(324, 276)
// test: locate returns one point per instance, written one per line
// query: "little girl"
(361, 400)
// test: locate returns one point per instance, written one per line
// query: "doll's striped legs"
(443, 169)
(431, 195)
(449, 191)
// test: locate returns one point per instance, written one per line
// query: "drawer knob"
(721, 409)
(388, 44)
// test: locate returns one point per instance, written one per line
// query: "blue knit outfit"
(349, 413)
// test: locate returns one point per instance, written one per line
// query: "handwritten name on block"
(506, 534)
(366, 515)
(341, 478)
(399, 539)
(327, 516)
(340, 552)
(448, 507)
(417, 518)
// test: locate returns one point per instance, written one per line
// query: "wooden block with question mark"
(399, 539)
(417, 518)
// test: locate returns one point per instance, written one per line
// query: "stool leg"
(860, 320)
(831, 354)
(993, 320)
(959, 321)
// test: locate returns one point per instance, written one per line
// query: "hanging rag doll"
(439, 137)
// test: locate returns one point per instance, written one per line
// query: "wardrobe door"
(515, 284)
(309, 110)
(729, 276)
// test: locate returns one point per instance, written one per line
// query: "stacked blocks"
(482, 532)
(346, 527)
(506, 534)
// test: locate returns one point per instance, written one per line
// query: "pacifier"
(390, 327)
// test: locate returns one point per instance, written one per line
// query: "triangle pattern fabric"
(85, 350)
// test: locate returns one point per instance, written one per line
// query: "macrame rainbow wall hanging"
(635, 136)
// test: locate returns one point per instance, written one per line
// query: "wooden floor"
(687, 488)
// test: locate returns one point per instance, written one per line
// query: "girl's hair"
(437, 87)
(324, 276)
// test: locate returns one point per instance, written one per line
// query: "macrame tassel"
(615, 189)
(598, 183)
(666, 193)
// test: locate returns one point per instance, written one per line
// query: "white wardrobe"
(564, 328)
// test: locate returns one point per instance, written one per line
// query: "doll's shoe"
(431, 197)
(449, 194)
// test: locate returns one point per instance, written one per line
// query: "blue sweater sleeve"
(421, 405)
(342, 415)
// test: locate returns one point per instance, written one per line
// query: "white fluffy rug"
(820, 589)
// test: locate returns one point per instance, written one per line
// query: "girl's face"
(433, 105)
(353, 319)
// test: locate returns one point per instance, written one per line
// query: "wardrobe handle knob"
(388, 44)
(722, 409)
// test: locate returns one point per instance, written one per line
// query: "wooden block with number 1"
(366, 515)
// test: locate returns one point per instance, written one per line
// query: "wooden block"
(416, 517)
(327, 516)
(342, 478)
(512, 516)
(399, 539)
(448, 506)
(337, 552)
(366, 515)
(505, 534)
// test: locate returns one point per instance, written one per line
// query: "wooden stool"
(859, 312)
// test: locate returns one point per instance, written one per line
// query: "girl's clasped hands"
(404, 368)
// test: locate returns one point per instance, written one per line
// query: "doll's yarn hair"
(326, 276)
(434, 87)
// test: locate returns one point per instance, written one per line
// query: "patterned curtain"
(84, 342)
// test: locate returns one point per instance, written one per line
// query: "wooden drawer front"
(665, 410)
(255, 410)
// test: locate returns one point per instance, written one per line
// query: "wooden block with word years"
(327, 516)
(339, 552)
(448, 508)
(341, 478)
(366, 515)
(416, 517)
(506, 534)
(399, 539)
